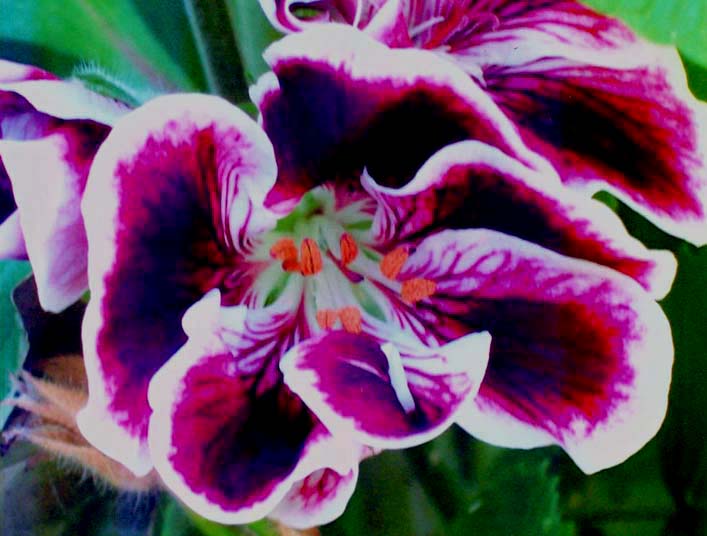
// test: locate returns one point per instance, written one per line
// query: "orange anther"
(326, 318)
(350, 319)
(349, 249)
(417, 289)
(393, 262)
(284, 249)
(311, 257)
(291, 265)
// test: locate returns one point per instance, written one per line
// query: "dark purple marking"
(171, 250)
(352, 375)
(560, 337)
(625, 127)
(480, 196)
(233, 443)
(327, 126)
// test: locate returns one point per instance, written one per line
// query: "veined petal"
(610, 110)
(472, 185)
(317, 499)
(226, 442)
(174, 196)
(387, 116)
(380, 395)
(581, 355)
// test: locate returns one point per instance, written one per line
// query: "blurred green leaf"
(140, 42)
(13, 338)
(253, 33)
(518, 496)
(388, 501)
(685, 438)
(217, 47)
(176, 520)
(681, 22)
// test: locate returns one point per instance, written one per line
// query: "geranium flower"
(271, 303)
(50, 130)
(610, 110)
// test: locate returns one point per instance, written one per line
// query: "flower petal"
(62, 99)
(387, 116)
(581, 355)
(230, 441)
(610, 110)
(472, 185)
(48, 177)
(356, 387)
(317, 499)
(175, 193)
(12, 243)
(47, 160)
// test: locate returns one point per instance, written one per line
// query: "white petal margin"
(596, 220)
(167, 388)
(47, 189)
(68, 100)
(631, 423)
(12, 243)
(466, 356)
(100, 209)
(362, 57)
(317, 499)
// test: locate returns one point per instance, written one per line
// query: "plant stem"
(217, 48)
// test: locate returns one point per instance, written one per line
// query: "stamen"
(397, 377)
(350, 319)
(291, 265)
(284, 249)
(349, 249)
(417, 30)
(393, 262)
(414, 290)
(311, 257)
(326, 318)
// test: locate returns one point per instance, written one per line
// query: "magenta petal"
(471, 185)
(175, 193)
(227, 443)
(610, 110)
(317, 499)
(354, 386)
(12, 243)
(581, 355)
(386, 116)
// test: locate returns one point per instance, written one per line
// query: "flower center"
(325, 245)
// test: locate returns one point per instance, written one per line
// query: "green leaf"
(388, 501)
(254, 33)
(144, 43)
(100, 81)
(13, 338)
(680, 22)
(217, 47)
(517, 496)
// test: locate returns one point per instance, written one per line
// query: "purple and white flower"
(50, 130)
(270, 303)
(610, 110)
